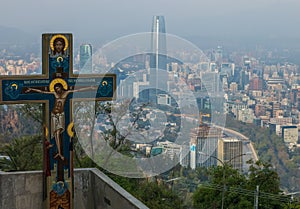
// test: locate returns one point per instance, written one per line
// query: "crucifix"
(54, 89)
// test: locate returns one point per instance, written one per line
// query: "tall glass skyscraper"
(158, 43)
(85, 53)
(158, 78)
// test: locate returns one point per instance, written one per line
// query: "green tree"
(228, 182)
(271, 148)
(153, 193)
(157, 196)
(25, 153)
(239, 190)
(292, 205)
(266, 178)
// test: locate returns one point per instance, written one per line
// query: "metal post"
(224, 185)
(256, 197)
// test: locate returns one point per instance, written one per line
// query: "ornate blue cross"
(54, 88)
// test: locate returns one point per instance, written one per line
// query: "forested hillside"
(271, 148)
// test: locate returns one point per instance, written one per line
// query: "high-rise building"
(233, 87)
(247, 62)
(211, 82)
(244, 79)
(230, 151)
(213, 67)
(227, 69)
(85, 53)
(275, 107)
(204, 146)
(219, 54)
(293, 96)
(158, 78)
(158, 43)
(158, 58)
(256, 84)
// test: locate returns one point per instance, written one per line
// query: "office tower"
(233, 87)
(213, 67)
(275, 107)
(219, 55)
(236, 74)
(244, 79)
(293, 96)
(158, 58)
(211, 82)
(230, 151)
(125, 89)
(256, 84)
(133, 86)
(204, 146)
(207, 144)
(85, 53)
(227, 69)
(158, 43)
(247, 62)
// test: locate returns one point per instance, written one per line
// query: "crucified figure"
(57, 113)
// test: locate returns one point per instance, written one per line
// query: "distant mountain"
(238, 42)
(9, 35)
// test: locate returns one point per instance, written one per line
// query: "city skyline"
(90, 20)
(274, 104)
(254, 91)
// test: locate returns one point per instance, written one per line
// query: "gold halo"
(104, 83)
(59, 36)
(59, 59)
(15, 85)
(70, 130)
(58, 80)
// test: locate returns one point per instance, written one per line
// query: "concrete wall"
(93, 190)
(96, 191)
(20, 190)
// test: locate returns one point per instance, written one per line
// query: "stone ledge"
(93, 189)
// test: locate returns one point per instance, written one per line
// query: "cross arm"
(29, 89)
(84, 89)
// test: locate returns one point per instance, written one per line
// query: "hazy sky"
(113, 18)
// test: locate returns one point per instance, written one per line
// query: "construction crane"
(201, 115)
